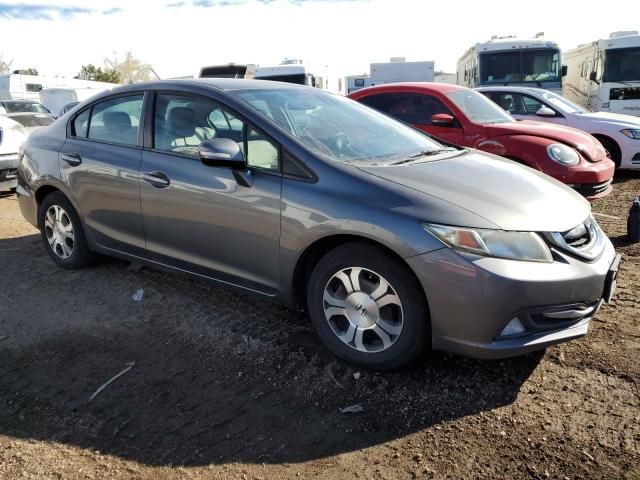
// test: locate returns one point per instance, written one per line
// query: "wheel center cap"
(361, 310)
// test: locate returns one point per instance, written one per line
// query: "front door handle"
(73, 159)
(156, 179)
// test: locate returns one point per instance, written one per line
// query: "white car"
(12, 134)
(619, 134)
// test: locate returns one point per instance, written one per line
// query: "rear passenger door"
(200, 218)
(100, 163)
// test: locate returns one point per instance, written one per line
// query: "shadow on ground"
(194, 398)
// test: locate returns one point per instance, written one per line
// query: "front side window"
(412, 108)
(183, 122)
(478, 108)
(531, 105)
(338, 128)
(116, 120)
(33, 87)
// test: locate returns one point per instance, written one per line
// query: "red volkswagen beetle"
(467, 118)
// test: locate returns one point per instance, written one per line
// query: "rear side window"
(116, 120)
(413, 108)
(81, 124)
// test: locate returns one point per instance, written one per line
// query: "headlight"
(527, 246)
(562, 154)
(632, 133)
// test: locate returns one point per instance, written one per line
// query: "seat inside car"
(118, 125)
(180, 131)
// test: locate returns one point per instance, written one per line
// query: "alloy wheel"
(59, 231)
(363, 309)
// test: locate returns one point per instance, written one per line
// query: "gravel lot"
(227, 385)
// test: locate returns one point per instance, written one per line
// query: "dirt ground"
(225, 385)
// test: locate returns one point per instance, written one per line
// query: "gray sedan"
(391, 241)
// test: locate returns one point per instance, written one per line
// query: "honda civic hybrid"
(391, 241)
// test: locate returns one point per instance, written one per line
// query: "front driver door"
(200, 218)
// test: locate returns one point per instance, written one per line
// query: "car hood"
(622, 120)
(588, 146)
(507, 194)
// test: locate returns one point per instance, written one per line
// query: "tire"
(335, 312)
(62, 233)
(613, 149)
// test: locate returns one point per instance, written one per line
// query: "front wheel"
(367, 307)
(62, 232)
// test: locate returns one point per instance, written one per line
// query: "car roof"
(410, 86)
(13, 100)
(221, 84)
(509, 88)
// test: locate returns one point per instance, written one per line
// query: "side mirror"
(221, 152)
(564, 71)
(593, 76)
(545, 112)
(442, 120)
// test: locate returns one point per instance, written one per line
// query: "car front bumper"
(471, 302)
(8, 166)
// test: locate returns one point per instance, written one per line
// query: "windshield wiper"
(423, 153)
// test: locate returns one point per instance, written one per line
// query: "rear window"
(37, 120)
(18, 107)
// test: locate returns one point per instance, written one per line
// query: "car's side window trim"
(149, 116)
(71, 127)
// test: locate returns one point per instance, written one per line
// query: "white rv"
(356, 82)
(605, 75)
(511, 61)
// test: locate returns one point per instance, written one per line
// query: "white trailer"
(604, 75)
(511, 61)
(16, 86)
(356, 82)
(402, 71)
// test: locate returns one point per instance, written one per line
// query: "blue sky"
(336, 37)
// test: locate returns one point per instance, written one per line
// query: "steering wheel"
(341, 141)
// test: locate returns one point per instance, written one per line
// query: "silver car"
(391, 241)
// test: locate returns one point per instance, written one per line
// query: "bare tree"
(130, 68)
(5, 65)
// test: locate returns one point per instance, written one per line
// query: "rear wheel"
(62, 233)
(367, 307)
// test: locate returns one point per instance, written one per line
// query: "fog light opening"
(514, 327)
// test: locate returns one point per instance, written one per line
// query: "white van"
(56, 98)
(604, 75)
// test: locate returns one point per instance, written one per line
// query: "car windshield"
(478, 108)
(542, 65)
(37, 120)
(18, 107)
(338, 128)
(561, 103)
(622, 65)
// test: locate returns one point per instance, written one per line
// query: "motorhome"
(512, 61)
(604, 75)
(290, 71)
(397, 70)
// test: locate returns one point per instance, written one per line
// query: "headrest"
(181, 122)
(116, 121)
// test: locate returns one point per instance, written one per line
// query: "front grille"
(586, 240)
(592, 189)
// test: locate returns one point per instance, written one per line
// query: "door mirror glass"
(221, 152)
(545, 112)
(564, 70)
(442, 120)
(593, 77)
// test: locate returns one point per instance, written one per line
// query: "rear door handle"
(73, 159)
(156, 179)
